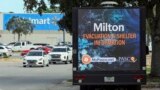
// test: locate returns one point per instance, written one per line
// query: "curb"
(152, 85)
(66, 82)
(10, 60)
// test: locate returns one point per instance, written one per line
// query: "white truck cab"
(22, 45)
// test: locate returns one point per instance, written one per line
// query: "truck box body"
(109, 46)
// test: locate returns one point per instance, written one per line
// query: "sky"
(16, 6)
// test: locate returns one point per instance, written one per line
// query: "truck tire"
(66, 62)
(50, 62)
(71, 61)
(128, 87)
(43, 64)
(136, 87)
(47, 65)
(83, 87)
(87, 87)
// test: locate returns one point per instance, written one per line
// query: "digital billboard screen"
(108, 39)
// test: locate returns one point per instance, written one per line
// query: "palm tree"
(19, 26)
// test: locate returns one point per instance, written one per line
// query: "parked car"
(24, 52)
(5, 51)
(44, 48)
(36, 58)
(41, 44)
(51, 47)
(61, 54)
(11, 44)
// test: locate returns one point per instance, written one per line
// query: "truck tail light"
(140, 77)
(80, 77)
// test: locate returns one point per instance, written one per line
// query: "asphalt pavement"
(15, 77)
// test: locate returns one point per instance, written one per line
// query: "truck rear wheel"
(66, 62)
(136, 87)
(84, 87)
(87, 87)
(43, 64)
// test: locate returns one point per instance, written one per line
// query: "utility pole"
(64, 30)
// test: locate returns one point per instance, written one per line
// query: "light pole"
(64, 32)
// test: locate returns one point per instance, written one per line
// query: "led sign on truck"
(108, 39)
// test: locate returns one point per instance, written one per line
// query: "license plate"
(109, 79)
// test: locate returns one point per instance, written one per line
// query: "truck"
(109, 48)
(23, 45)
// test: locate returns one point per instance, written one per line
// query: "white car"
(36, 58)
(61, 54)
(5, 51)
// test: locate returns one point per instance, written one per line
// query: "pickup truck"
(109, 48)
(23, 45)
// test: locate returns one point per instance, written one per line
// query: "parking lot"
(13, 76)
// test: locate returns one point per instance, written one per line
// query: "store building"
(46, 28)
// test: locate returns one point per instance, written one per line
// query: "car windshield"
(59, 50)
(34, 54)
(1, 43)
(17, 44)
(7, 48)
(39, 48)
(41, 44)
(11, 43)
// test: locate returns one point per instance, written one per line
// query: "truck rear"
(109, 48)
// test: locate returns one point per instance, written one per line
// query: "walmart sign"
(43, 22)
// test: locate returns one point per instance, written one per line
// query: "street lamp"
(64, 30)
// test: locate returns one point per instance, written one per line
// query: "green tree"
(50, 10)
(18, 25)
(65, 7)
(152, 14)
(154, 21)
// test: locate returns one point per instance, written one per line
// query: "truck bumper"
(114, 79)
